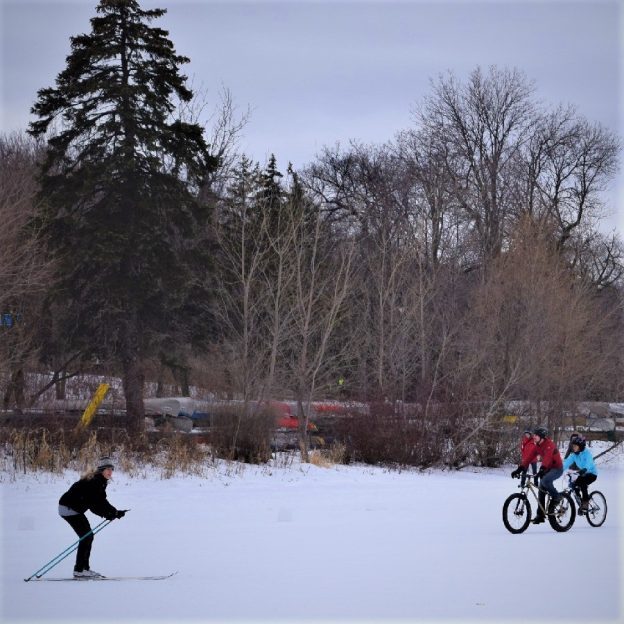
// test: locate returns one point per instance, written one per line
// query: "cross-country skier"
(88, 493)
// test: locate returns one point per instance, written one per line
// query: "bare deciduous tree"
(322, 267)
(569, 162)
(224, 125)
(241, 299)
(25, 272)
(533, 327)
(485, 123)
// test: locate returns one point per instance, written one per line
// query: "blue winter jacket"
(583, 459)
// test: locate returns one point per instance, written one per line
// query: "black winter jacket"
(89, 493)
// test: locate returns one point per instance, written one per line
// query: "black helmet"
(580, 441)
(542, 432)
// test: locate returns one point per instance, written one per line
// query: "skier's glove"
(517, 472)
(120, 513)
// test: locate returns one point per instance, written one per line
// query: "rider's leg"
(547, 485)
(583, 481)
(539, 515)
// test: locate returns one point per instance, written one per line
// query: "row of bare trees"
(475, 275)
(457, 267)
(284, 275)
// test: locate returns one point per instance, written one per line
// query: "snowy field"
(302, 543)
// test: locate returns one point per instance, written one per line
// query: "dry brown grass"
(326, 458)
(25, 451)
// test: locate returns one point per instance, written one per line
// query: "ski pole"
(68, 551)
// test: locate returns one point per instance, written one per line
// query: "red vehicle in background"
(284, 417)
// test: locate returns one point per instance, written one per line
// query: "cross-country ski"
(109, 578)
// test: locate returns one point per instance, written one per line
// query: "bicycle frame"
(571, 489)
(534, 489)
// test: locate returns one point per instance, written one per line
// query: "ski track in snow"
(348, 543)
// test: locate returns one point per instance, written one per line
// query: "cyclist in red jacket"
(552, 469)
(526, 451)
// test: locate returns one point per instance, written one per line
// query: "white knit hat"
(105, 462)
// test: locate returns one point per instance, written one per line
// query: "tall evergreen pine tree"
(270, 196)
(119, 186)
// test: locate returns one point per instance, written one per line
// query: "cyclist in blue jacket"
(582, 457)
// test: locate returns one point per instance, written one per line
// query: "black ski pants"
(582, 482)
(81, 525)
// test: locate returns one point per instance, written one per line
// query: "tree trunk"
(60, 385)
(304, 441)
(181, 374)
(160, 391)
(15, 389)
(133, 380)
(133, 391)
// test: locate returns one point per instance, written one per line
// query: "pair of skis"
(108, 578)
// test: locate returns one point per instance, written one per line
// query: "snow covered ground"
(301, 543)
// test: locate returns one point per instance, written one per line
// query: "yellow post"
(98, 397)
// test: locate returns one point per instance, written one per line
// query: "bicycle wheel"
(562, 517)
(516, 513)
(597, 511)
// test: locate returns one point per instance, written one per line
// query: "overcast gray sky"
(315, 73)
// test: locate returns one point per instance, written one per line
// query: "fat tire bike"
(596, 512)
(517, 510)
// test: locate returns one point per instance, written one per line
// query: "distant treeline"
(459, 263)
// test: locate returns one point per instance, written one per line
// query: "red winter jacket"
(527, 446)
(547, 449)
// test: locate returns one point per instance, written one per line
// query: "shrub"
(244, 434)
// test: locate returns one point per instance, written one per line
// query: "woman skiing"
(88, 494)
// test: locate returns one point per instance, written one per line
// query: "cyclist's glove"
(582, 471)
(541, 472)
